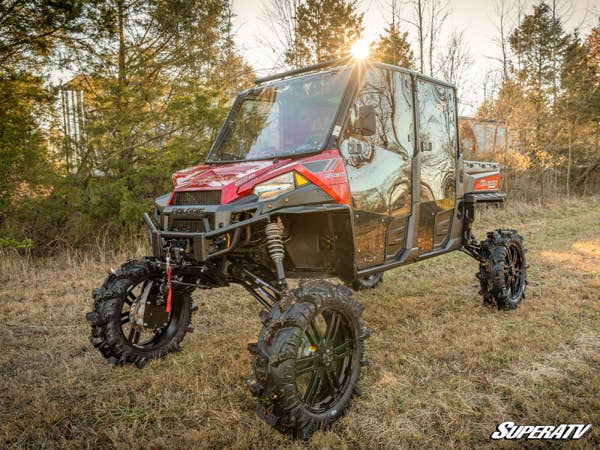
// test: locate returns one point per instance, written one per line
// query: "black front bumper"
(221, 228)
(203, 247)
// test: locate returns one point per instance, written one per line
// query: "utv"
(342, 169)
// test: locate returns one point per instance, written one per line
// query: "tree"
(506, 19)
(438, 13)
(549, 98)
(541, 41)
(141, 62)
(578, 90)
(281, 17)
(510, 107)
(455, 60)
(579, 106)
(324, 30)
(393, 47)
(428, 18)
(29, 30)
(593, 47)
(154, 76)
(23, 147)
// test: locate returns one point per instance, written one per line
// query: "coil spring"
(274, 241)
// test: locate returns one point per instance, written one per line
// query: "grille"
(188, 225)
(197, 198)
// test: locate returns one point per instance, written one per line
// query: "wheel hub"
(145, 313)
(325, 358)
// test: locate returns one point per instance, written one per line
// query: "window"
(284, 118)
(390, 93)
(379, 166)
(437, 133)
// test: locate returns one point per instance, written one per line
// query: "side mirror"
(366, 124)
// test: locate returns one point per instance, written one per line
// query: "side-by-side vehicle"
(344, 169)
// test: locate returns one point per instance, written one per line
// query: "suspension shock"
(274, 237)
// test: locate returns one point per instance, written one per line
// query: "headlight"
(275, 186)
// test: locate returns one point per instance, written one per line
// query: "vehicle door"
(436, 105)
(378, 146)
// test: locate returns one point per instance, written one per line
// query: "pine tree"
(540, 41)
(23, 146)
(29, 31)
(393, 47)
(579, 106)
(325, 29)
(155, 80)
(575, 103)
(154, 76)
(592, 44)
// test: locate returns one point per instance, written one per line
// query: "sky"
(476, 17)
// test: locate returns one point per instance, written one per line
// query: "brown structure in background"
(482, 137)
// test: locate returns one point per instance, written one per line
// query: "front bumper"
(207, 231)
(203, 244)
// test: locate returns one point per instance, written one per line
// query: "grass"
(444, 370)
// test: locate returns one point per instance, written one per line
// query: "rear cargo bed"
(481, 176)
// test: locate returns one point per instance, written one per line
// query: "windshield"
(282, 119)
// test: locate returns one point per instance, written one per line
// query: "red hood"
(224, 177)
(237, 179)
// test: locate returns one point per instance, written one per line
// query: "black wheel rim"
(140, 337)
(324, 361)
(513, 272)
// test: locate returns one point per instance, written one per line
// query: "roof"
(345, 61)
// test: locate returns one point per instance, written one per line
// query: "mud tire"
(503, 275)
(279, 353)
(107, 333)
(369, 282)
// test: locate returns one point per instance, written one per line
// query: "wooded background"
(153, 81)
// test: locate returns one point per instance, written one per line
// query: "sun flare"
(360, 49)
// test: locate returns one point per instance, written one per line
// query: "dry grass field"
(444, 370)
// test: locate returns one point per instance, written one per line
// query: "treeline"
(546, 89)
(152, 81)
(150, 88)
(549, 97)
